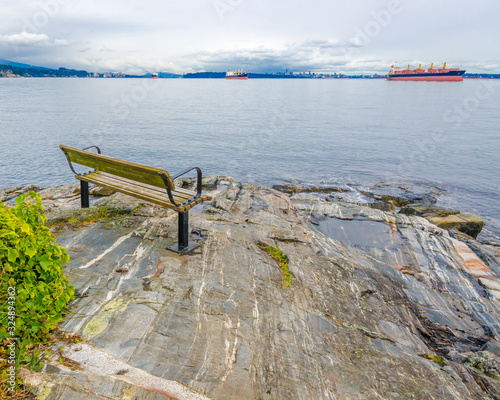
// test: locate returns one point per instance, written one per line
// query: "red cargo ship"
(431, 74)
(236, 75)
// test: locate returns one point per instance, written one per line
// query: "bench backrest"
(114, 166)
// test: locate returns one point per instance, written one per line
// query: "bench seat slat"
(152, 194)
(143, 194)
(185, 194)
(102, 178)
(185, 191)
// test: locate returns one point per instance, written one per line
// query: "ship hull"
(453, 76)
(237, 77)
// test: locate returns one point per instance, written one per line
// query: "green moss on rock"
(282, 260)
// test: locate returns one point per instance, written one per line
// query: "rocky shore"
(383, 302)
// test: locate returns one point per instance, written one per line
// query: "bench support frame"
(84, 194)
(183, 246)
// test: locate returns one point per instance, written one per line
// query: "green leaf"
(45, 261)
(65, 258)
(30, 251)
(60, 303)
(25, 228)
(20, 199)
(12, 255)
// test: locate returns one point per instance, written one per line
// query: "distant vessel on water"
(154, 75)
(236, 75)
(430, 74)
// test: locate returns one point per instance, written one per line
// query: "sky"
(181, 36)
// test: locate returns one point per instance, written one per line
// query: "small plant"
(436, 359)
(31, 280)
(483, 363)
(138, 207)
(282, 260)
(120, 211)
(102, 212)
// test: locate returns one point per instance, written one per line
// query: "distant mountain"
(168, 75)
(27, 70)
(20, 65)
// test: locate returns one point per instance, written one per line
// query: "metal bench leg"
(84, 194)
(183, 246)
(183, 230)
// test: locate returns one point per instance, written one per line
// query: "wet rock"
(12, 192)
(490, 284)
(291, 189)
(489, 254)
(492, 347)
(426, 211)
(467, 223)
(61, 192)
(208, 182)
(101, 191)
(447, 219)
(120, 203)
(402, 193)
(382, 205)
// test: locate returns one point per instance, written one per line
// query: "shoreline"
(385, 195)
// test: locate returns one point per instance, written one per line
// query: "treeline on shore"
(41, 72)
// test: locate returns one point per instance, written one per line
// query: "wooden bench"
(140, 181)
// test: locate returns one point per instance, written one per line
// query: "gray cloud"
(314, 55)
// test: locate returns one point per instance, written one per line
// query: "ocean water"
(338, 132)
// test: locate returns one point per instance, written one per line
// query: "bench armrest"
(199, 179)
(97, 148)
(69, 161)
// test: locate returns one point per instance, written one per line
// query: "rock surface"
(404, 192)
(467, 223)
(377, 297)
(447, 219)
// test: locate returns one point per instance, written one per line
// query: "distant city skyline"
(214, 35)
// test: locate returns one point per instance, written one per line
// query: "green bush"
(33, 290)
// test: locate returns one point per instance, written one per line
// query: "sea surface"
(324, 132)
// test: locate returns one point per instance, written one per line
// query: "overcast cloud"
(137, 36)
